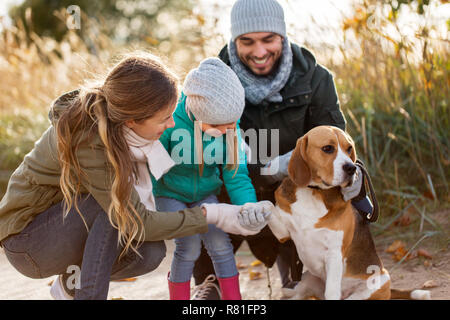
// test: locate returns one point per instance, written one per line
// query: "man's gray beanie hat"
(214, 93)
(257, 16)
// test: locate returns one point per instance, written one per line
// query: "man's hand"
(277, 169)
(353, 190)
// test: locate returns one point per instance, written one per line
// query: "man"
(285, 90)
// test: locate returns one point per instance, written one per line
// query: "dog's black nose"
(349, 168)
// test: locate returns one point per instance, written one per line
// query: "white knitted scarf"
(147, 152)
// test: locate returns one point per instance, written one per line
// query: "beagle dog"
(332, 239)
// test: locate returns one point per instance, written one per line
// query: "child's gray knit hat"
(257, 16)
(214, 93)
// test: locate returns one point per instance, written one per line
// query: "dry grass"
(395, 102)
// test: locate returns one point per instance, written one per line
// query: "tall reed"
(395, 94)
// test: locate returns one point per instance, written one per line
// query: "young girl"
(81, 200)
(212, 103)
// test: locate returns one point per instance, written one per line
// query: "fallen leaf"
(117, 298)
(395, 245)
(400, 253)
(427, 263)
(126, 280)
(430, 284)
(256, 263)
(424, 253)
(50, 283)
(254, 275)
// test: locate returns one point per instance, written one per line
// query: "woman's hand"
(245, 220)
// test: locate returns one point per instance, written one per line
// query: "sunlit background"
(317, 22)
(389, 58)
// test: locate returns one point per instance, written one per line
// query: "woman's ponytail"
(136, 88)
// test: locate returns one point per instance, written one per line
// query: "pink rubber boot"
(229, 287)
(179, 290)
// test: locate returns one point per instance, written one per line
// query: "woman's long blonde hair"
(136, 88)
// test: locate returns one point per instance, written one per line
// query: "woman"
(81, 196)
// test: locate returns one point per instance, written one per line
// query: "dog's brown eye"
(328, 149)
(349, 150)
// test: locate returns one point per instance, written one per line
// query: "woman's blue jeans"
(216, 242)
(51, 245)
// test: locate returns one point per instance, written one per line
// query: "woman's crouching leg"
(151, 254)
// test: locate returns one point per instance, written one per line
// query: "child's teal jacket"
(183, 182)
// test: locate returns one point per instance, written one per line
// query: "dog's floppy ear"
(298, 169)
(353, 155)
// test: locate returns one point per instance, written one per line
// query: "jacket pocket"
(294, 119)
(23, 263)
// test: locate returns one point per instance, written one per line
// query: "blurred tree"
(123, 20)
(371, 17)
(173, 27)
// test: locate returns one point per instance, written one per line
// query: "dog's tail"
(414, 294)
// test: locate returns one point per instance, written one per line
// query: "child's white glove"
(254, 216)
(234, 219)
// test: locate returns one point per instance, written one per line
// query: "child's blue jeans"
(187, 251)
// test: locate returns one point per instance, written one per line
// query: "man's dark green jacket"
(309, 100)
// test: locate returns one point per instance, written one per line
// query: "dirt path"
(414, 274)
(153, 286)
